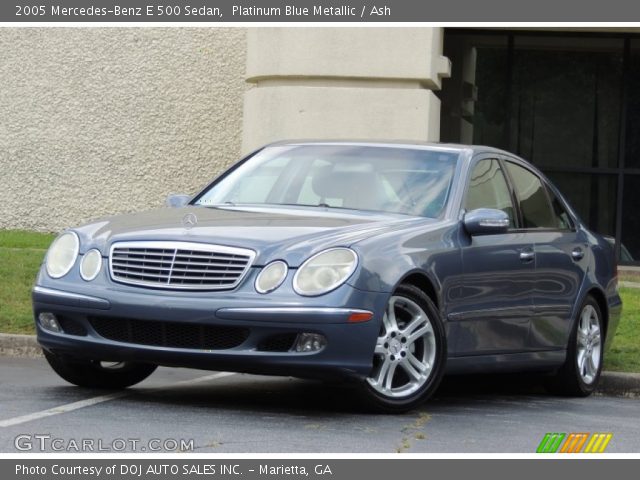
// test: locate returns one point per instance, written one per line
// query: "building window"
(562, 101)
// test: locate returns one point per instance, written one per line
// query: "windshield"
(386, 179)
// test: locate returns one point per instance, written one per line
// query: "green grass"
(21, 254)
(22, 239)
(624, 355)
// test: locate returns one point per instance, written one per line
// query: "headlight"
(62, 254)
(271, 277)
(90, 265)
(325, 271)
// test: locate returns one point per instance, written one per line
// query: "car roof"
(453, 147)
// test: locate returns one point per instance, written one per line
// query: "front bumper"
(238, 331)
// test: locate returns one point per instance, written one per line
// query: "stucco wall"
(363, 83)
(106, 120)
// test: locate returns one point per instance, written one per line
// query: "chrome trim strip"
(523, 312)
(179, 245)
(293, 310)
(66, 295)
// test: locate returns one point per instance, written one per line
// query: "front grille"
(169, 334)
(179, 265)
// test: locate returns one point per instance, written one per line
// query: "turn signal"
(360, 317)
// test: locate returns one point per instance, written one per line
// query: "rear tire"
(97, 374)
(409, 356)
(580, 373)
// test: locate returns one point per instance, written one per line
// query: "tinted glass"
(399, 180)
(534, 203)
(488, 189)
(562, 218)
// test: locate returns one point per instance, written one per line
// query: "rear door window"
(532, 195)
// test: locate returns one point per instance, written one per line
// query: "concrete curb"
(611, 383)
(19, 345)
(619, 384)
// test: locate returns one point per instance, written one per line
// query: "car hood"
(291, 234)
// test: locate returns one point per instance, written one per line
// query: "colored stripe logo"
(582, 442)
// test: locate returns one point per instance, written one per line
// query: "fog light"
(49, 322)
(310, 342)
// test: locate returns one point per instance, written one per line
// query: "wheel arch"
(600, 298)
(421, 280)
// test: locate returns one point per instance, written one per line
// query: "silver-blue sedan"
(385, 265)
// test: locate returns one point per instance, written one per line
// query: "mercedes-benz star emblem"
(189, 221)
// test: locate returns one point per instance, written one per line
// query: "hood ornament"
(189, 221)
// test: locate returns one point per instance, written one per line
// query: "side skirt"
(507, 362)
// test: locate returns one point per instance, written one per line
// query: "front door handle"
(527, 255)
(577, 253)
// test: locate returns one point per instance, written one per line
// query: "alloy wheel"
(405, 350)
(589, 344)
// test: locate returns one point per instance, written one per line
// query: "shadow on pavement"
(307, 397)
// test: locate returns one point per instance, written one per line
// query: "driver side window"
(488, 189)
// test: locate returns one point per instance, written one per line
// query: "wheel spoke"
(596, 340)
(582, 338)
(415, 323)
(414, 372)
(420, 333)
(389, 319)
(591, 366)
(388, 383)
(382, 373)
(422, 367)
(582, 356)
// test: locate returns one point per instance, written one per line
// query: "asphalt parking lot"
(234, 413)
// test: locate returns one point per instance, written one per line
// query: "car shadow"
(293, 396)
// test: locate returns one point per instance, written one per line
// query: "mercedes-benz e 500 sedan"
(383, 264)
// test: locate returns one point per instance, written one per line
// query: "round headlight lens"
(325, 271)
(62, 254)
(90, 265)
(271, 277)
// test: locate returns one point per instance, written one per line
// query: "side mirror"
(177, 200)
(486, 221)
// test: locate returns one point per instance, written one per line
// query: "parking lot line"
(69, 407)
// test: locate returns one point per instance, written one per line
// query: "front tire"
(410, 353)
(97, 374)
(580, 373)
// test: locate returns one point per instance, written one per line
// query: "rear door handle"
(527, 255)
(577, 253)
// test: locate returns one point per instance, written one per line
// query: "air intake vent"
(169, 334)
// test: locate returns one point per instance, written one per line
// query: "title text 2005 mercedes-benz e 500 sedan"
(382, 264)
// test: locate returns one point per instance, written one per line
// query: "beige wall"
(362, 83)
(105, 120)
